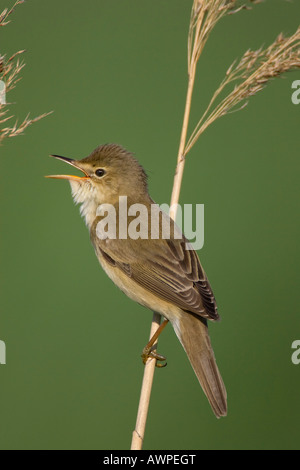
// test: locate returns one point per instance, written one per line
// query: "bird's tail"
(193, 335)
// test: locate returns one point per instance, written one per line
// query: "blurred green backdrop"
(115, 71)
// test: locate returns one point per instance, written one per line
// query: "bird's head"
(109, 171)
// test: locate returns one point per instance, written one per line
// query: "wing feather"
(169, 268)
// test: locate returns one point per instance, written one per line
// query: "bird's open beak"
(75, 164)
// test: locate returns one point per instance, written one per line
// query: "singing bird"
(162, 274)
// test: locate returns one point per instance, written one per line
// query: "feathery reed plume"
(249, 76)
(205, 15)
(9, 76)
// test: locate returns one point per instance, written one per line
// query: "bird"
(161, 273)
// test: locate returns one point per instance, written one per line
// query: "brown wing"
(165, 267)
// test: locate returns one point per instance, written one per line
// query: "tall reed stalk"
(244, 78)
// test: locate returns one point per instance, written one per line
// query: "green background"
(115, 71)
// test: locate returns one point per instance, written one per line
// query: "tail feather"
(193, 335)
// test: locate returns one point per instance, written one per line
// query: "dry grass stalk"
(250, 75)
(204, 17)
(139, 431)
(9, 76)
(6, 12)
(16, 129)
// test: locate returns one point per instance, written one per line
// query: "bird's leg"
(148, 351)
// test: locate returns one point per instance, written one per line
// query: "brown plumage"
(164, 275)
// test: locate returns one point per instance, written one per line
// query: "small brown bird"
(163, 274)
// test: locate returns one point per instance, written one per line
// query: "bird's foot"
(148, 353)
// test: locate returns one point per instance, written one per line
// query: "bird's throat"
(85, 194)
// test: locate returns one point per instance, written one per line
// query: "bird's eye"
(100, 172)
